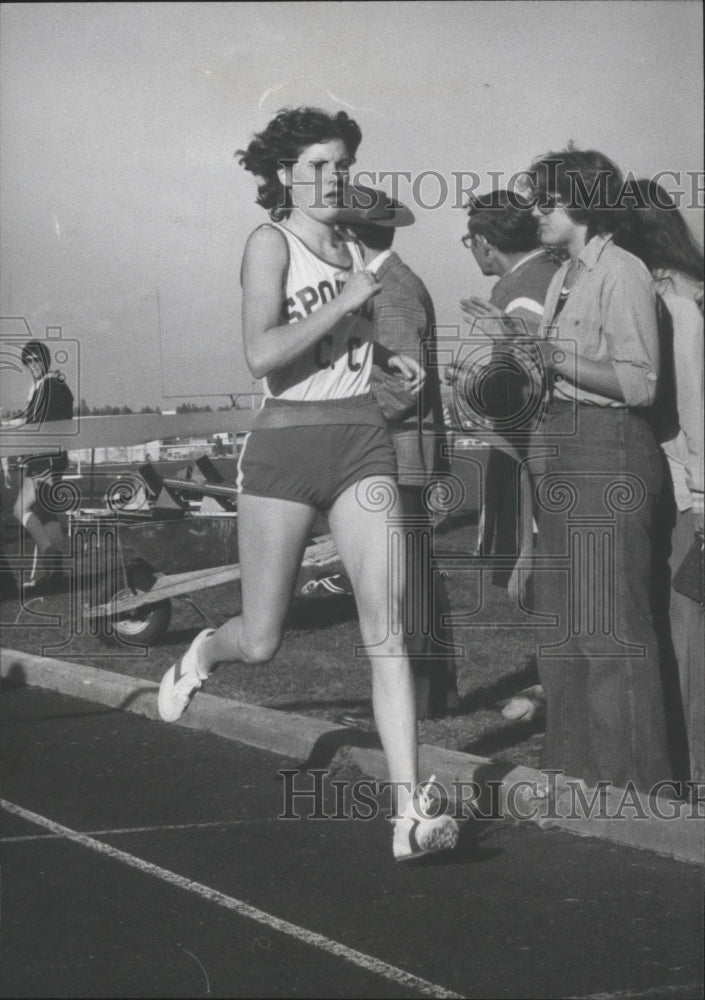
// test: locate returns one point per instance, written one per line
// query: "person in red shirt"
(503, 238)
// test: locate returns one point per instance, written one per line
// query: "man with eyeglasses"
(503, 237)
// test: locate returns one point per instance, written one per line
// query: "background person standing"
(597, 500)
(503, 237)
(50, 399)
(404, 320)
(659, 235)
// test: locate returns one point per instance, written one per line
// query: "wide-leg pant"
(599, 660)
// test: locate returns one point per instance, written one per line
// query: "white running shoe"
(416, 833)
(181, 681)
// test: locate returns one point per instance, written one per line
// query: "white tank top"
(338, 365)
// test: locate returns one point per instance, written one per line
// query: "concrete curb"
(621, 816)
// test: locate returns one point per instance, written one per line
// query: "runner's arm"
(270, 341)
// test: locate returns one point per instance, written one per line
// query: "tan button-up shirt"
(611, 315)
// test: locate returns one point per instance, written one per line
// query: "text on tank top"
(339, 364)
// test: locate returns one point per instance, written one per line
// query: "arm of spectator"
(487, 318)
(561, 361)
(630, 327)
(519, 579)
(521, 318)
(525, 315)
(689, 361)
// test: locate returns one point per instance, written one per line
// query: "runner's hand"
(409, 369)
(360, 286)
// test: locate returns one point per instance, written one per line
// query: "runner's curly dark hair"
(283, 141)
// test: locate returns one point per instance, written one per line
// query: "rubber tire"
(142, 627)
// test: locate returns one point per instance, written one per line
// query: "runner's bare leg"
(272, 537)
(361, 537)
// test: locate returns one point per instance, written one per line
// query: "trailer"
(132, 559)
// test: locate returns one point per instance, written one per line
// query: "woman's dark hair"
(658, 233)
(505, 220)
(588, 183)
(283, 141)
(35, 349)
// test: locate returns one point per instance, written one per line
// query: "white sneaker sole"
(169, 712)
(430, 836)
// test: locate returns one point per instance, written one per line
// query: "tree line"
(85, 410)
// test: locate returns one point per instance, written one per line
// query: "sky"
(124, 211)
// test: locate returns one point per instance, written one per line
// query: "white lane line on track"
(140, 829)
(359, 958)
(686, 992)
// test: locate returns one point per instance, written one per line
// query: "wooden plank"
(321, 553)
(167, 587)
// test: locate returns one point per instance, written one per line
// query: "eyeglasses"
(468, 241)
(546, 203)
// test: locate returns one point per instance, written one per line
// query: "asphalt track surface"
(147, 860)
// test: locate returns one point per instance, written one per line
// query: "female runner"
(320, 444)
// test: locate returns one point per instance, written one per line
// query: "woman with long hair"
(320, 445)
(599, 664)
(660, 236)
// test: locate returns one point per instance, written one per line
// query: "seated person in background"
(503, 237)
(50, 399)
(404, 318)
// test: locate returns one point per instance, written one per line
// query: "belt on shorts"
(280, 413)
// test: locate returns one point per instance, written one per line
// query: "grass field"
(317, 670)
